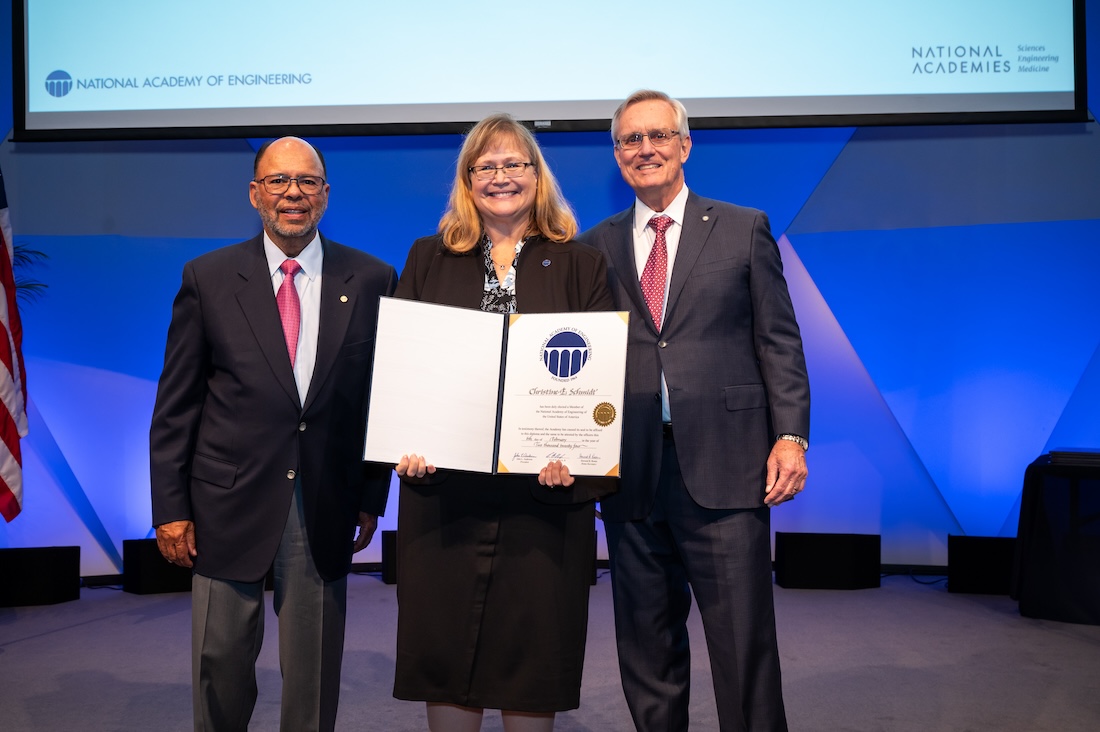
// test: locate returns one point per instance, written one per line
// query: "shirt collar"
(310, 258)
(675, 210)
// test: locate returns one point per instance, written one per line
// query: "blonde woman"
(494, 570)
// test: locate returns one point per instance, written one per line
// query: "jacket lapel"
(620, 250)
(469, 281)
(257, 302)
(699, 221)
(338, 302)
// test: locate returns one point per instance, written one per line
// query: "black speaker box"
(980, 565)
(827, 561)
(39, 576)
(146, 572)
(389, 557)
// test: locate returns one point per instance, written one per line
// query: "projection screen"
(134, 68)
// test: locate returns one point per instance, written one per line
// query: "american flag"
(13, 385)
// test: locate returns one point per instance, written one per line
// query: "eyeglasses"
(488, 172)
(657, 138)
(276, 185)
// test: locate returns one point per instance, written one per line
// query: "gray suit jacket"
(730, 350)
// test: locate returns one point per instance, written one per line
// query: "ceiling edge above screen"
(956, 107)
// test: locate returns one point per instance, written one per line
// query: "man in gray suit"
(256, 443)
(716, 422)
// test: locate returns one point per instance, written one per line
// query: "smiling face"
(291, 218)
(504, 203)
(655, 173)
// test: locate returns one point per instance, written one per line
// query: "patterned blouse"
(500, 296)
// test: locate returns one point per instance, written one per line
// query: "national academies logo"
(565, 353)
(59, 83)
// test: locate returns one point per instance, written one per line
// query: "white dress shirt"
(308, 284)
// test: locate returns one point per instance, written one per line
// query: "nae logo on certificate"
(494, 393)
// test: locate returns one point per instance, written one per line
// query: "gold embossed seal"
(604, 414)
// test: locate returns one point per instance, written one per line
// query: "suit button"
(290, 474)
(302, 427)
(662, 344)
(657, 397)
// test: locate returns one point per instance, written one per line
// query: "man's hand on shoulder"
(176, 541)
(786, 472)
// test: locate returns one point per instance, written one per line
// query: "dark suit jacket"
(730, 350)
(550, 278)
(229, 434)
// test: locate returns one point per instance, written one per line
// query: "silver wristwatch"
(796, 439)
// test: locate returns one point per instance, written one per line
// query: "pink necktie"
(290, 308)
(653, 275)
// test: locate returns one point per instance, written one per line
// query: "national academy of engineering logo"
(59, 83)
(566, 353)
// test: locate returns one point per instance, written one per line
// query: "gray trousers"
(723, 558)
(227, 630)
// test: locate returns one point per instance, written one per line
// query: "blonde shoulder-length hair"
(551, 216)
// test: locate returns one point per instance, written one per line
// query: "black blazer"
(229, 434)
(550, 278)
(730, 350)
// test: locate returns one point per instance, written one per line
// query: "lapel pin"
(706, 218)
(343, 298)
(546, 263)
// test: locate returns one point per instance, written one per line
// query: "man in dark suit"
(256, 445)
(716, 420)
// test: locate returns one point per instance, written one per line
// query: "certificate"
(495, 393)
(562, 397)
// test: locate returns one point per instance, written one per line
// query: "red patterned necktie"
(290, 308)
(656, 267)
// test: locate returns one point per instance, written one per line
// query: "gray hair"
(647, 95)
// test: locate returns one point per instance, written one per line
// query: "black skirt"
(492, 594)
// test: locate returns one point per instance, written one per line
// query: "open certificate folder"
(496, 393)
